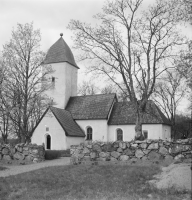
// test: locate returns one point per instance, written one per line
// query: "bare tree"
(87, 88)
(168, 93)
(132, 47)
(184, 67)
(5, 122)
(22, 94)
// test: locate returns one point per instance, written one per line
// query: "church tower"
(64, 76)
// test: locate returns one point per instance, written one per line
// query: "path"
(13, 170)
(177, 175)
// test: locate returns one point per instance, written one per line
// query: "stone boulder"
(115, 154)
(18, 156)
(19, 149)
(163, 150)
(87, 158)
(104, 154)
(134, 146)
(101, 159)
(146, 151)
(86, 151)
(29, 158)
(7, 157)
(5, 151)
(153, 146)
(93, 155)
(120, 150)
(154, 156)
(80, 156)
(13, 150)
(139, 153)
(143, 145)
(179, 157)
(129, 152)
(178, 148)
(122, 145)
(124, 158)
(89, 146)
(107, 147)
(35, 160)
(128, 145)
(113, 159)
(144, 158)
(97, 148)
(116, 145)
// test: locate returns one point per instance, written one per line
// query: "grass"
(96, 182)
(53, 154)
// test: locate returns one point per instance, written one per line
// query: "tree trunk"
(4, 139)
(23, 137)
(140, 109)
(138, 126)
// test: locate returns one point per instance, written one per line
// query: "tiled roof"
(124, 113)
(65, 119)
(91, 106)
(60, 52)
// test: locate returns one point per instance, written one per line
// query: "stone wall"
(22, 153)
(132, 151)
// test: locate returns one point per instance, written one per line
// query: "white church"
(101, 117)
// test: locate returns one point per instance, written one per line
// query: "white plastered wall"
(155, 131)
(65, 84)
(58, 138)
(166, 132)
(128, 132)
(74, 141)
(99, 127)
(59, 141)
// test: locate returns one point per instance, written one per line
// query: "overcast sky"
(50, 16)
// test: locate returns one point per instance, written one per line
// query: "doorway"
(48, 142)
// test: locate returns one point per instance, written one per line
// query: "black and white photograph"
(96, 100)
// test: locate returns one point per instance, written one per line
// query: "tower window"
(89, 133)
(47, 128)
(53, 79)
(119, 135)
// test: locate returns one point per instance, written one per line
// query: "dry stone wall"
(22, 153)
(131, 151)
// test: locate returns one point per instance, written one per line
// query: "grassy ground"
(120, 182)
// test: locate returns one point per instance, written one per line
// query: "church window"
(119, 135)
(47, 128)
(89, 133)
(145, 134)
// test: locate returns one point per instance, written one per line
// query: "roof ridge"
(94, 95)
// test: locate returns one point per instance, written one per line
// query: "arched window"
(89, 133)
(48, 142)
(119, 135)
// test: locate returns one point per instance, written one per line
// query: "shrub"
(2, 168)
(54, 154)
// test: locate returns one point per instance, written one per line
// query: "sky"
(52, 18)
